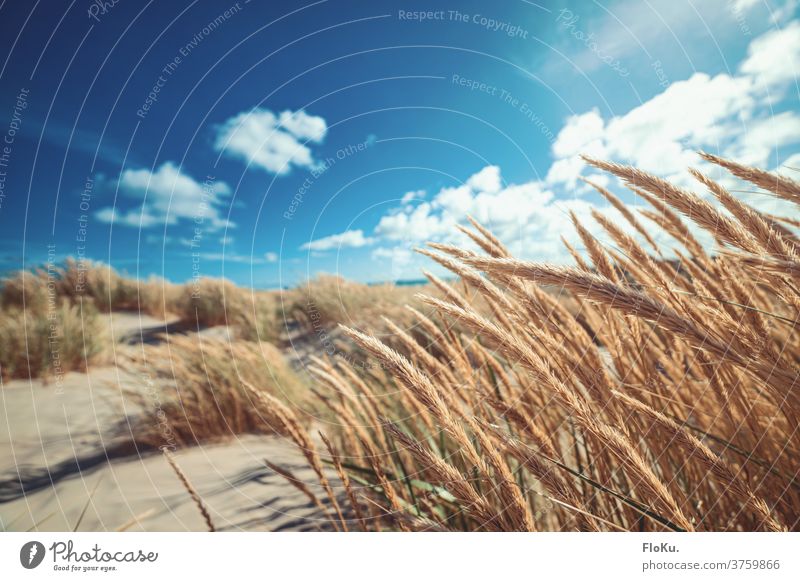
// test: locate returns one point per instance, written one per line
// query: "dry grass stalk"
(634, 392)
(201, 506)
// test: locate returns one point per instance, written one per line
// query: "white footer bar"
(400, 556)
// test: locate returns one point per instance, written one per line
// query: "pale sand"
(54, 441)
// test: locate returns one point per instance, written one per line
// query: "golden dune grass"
(665, 397)
(49, 317)
(251, 315)
(50, 339)
(327, 301)
(194, 390)
(92, 282)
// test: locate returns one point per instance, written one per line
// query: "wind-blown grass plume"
(781, 186)
(648, 388)
(196, 390)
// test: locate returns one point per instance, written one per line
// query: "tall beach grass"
(665, 397)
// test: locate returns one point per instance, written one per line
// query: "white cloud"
(457, 200)
(409, 197)
(765, 136)
(527, 216)
(744, 5)
(271, 257)
(304, 126)
(566, 171)
(504, 209)
(133, 218)
(481, 196)
(486, 180)
(273, 142)
(348, 239)
(719, 113)
(581, 132)
(601, 179)
(168, 195)
(106, 215)
(418, 225)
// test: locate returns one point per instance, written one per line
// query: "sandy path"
(54, 444)
(144, 493)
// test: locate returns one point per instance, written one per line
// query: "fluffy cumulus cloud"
(273, 142)
(168, 195)
(741, 116)
(774, 58)
(720, 113)
(348, 239)
(409, 197)
(528, 216)
(486, 180)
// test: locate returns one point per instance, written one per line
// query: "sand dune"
(61, 457)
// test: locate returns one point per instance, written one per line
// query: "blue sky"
(267, 142)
